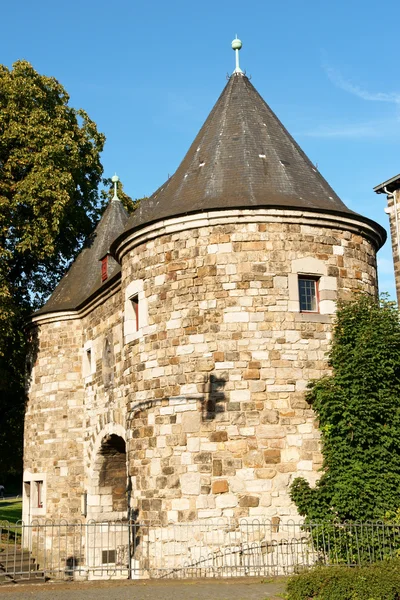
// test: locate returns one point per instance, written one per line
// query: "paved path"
(196, 589)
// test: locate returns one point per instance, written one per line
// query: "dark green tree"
(358, 408)
(50, 171)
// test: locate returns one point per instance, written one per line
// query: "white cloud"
(347, 86)
(367, 129)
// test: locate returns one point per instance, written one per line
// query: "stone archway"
(107, 498)
(112, 476)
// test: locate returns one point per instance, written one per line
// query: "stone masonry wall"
(215, 382)
(394, 238)
(105, 410)
(53, 442)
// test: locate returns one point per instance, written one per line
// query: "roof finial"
(236, 45)
(115, 180)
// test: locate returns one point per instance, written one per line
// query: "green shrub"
(358, 409)
(379, 581)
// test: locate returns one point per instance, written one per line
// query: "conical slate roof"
(243, 157)
(83, 279)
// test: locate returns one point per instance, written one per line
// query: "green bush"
(379, 581)
(358, 409)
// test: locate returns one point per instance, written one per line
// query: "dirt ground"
(196, 589)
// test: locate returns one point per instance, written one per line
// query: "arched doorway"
(112, 477)
(107, 497)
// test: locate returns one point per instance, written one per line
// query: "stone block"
(240, 396)
(220, 486)
(254, 458)
(218, 436)
(190, 422)
(237, 447)
(265, 473)
(236, 317)
(272, 456)
(190, 484)
(251, 374)
(270, 416)
(226, 501)
(249, 501)
(180, 504)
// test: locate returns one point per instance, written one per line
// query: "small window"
(87, 366)
(104, 269)
(88, 360)
(135, 311)
(308, 293)
(107, 556)
(135, 305)
(39, 494)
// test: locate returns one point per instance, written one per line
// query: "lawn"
(10, 510)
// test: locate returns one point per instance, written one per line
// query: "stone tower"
(185, 370)
(391, 188)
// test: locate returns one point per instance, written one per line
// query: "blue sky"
(149, 73)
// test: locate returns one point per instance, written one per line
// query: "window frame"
(88, 361)
(38, 493)
(315, 279)
(136, 318)
(135, 305)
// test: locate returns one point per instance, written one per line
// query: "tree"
(108, 193)
(49, 175)
(50, 171)
(358, 408)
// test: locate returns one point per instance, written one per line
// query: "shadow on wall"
(212, 401)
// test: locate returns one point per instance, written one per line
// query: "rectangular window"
(108, 556)
(39, 494)
(87, 362)
(308, 293)
(104, 268)
(135, 306)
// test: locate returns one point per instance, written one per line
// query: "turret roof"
(242, 157)
(83, 279)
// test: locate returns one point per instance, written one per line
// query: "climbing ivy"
(358, 408)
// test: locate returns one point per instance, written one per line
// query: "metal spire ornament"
(115, 180)
(236, 45)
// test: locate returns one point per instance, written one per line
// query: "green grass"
(10, 510)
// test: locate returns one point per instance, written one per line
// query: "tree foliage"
(358, 408)
(49, 175)
(108, 193)
(50, 171)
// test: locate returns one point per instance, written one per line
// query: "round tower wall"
(53, 438)
(216, 374)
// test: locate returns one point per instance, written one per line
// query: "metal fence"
(213, 548)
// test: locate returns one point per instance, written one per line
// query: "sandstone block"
(226, 501)
(237, 447)
(190, 484)
(190, 422)
(220, 486)
(218, 436)
(236, 317)
(254, 458)
(272, 456)
(270, 416)
(265, 473)
(240, 396)
(269, 432)
(251, 374)
(247, 501)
